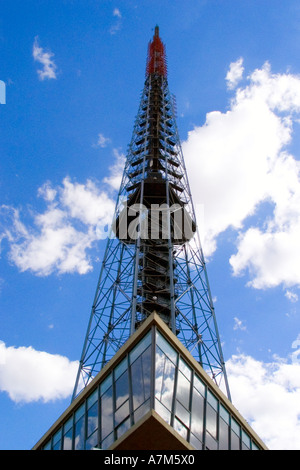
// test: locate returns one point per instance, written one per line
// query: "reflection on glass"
(57, 440)
(235, 441)
(164, 378)
(162, 411)
(68, 434)
(121, 413)
(141, 411)
(166, 347)
(210, 442)
(185, 369)
(92, 441)
(107, 441)
(199, 385)
(223, 435)
(123, 428)
(245, 441)
(140, 376)
(235, 435)
(212, 400)
(92, 419)
(197, 414)
(195, 442)
(122, 389)
(120, 368)
(182, 413)
(79, 434)
(211, 421)
(140, 347)
(180, 428)
(183, 390)
(107, 423)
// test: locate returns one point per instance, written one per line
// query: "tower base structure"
(152, 395)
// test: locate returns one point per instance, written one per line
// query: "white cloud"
(268, 396)
(102, 141)
(238, 160)
(238, 324)
(44, 58)
(60, 238)
(235, 73)
(28, 375)
(291, 296)
(118, 24)
(116, 170)
(117, 13)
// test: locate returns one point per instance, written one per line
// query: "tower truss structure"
(153, 260)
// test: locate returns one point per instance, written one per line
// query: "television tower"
(153, 260)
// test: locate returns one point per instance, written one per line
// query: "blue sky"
(73, 72)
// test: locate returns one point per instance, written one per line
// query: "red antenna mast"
(156, 61)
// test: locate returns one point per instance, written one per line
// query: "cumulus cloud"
(268, 396)
(238, 160)
(235, 73)
(59, 239)
(46, 59)
(28, 375)
(116, 171)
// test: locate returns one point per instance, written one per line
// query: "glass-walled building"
(152, 395)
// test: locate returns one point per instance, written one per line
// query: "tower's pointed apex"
(156, 61)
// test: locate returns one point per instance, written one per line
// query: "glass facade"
(152, 375)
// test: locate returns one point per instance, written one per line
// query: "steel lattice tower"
(153, 259)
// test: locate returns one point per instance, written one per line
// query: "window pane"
(210, 442)
(122, 389)
(92, 441)
(139, 348)
(122, 413)
(79, 434)
(107, 441)
(162, 411)
(106, 413)
(120, 368)
(106, 384)
(164, 379)
(80, 412)
(246, 439)
(140, 378)
(235, 426)
(195, 442)
(185, 369)
(183, 390)
(235, 441)
(197, 414)
(223, 435)
(180, 428)
(57, 436)
(123, 428)
(199, 385)
(212, 400)
(47, 446)
(224, 414)
(183, 414)
(166, 347)
(211, 421)
(67, 440)
(92, 419)
(92, 398)
(141, 411)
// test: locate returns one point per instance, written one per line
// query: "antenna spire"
(156, 60)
